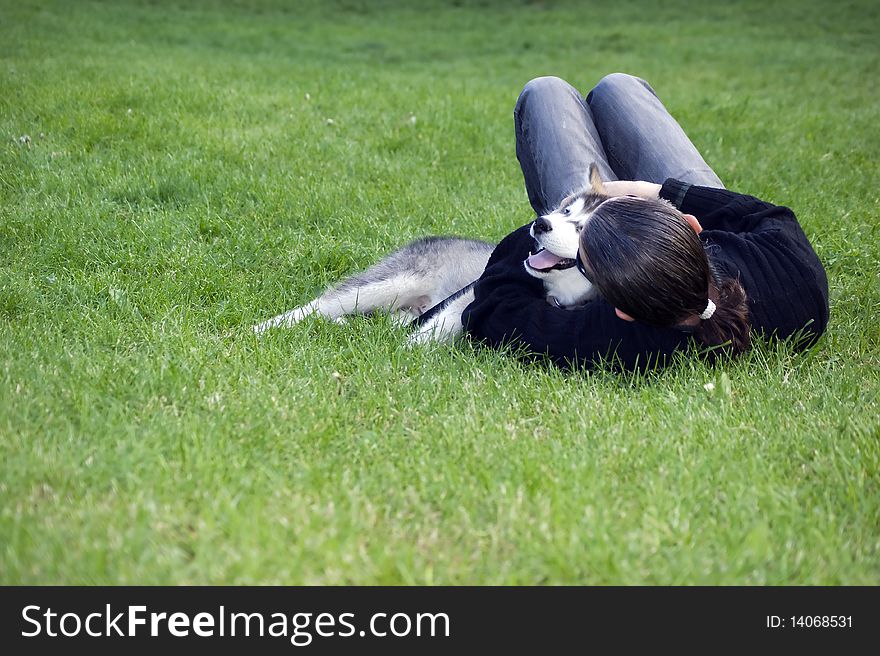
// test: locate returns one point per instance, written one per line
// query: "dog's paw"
(286, 320)
(443, 328)
(402, 317)
(420, 337)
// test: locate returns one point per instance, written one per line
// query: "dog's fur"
(435, 270)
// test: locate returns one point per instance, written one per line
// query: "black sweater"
(760, 244)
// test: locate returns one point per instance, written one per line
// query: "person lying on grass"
(676, 257)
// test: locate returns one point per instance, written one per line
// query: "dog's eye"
(566, 211)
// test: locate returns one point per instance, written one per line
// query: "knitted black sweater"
(761, 244)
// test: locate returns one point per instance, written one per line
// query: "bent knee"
(616, 84)
(547, 85)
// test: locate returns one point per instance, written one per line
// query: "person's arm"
(632, 188)
(721, 209)
(510, 307)
(763, 245)
(716, 209)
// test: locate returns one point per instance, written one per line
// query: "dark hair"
(646, 260)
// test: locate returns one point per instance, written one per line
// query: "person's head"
(647, 260)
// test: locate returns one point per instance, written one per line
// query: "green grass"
(182, 180)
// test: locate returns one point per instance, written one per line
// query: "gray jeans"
(621, 126)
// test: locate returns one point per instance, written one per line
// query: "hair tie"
(709, 311)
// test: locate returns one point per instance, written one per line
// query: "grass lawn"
(174, 171)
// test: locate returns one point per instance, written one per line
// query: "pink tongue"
(543, 260)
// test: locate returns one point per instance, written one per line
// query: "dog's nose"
(542, 225)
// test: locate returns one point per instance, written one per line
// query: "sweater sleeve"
(721, 209)
(510, 307)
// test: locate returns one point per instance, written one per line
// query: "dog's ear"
(596, 181)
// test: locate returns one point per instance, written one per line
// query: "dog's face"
(556, 237)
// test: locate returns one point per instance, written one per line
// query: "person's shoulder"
(517, 244)
(520, 234)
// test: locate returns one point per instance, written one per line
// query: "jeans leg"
(642, 140)
(556, 142)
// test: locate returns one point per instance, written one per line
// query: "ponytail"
(728, 327)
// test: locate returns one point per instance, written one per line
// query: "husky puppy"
(552, 261)
(438, 273)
